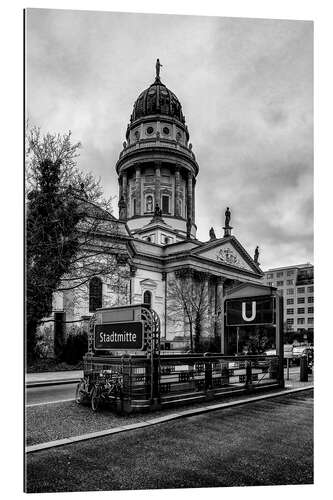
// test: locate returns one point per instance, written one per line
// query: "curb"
(158, 420)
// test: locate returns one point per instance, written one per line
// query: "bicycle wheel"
(96, 399)
(80, 393)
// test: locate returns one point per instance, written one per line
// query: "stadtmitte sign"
(119, 336)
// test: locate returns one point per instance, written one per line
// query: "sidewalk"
(53, 378)
(70, 377)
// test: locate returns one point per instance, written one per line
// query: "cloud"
(247, 93)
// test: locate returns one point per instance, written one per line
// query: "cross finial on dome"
(158, 68)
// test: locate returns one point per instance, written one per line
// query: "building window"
(147, 297)
(300, 321)
(300, 300)
(301, 290)
(290, 291)
(310, 289)
(310, 321)
(279, 283)
(290, 301)
(165, 204)
(270, 276)
(95, 294)
(310, 310)
(310, 300)
(290, 282)
(149, 203)
(290, 311)
(300, 310)
(279, 274)
(134, 206)
(290, 273)
(269, 283)
(290, 321)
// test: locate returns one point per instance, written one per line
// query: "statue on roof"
(212, 235)
(158, 211)
(256, 255)
(122, 208)
(158, 68)
(227, 217)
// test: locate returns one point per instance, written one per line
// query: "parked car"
(299, 351)
(286, 350)
(270, 352)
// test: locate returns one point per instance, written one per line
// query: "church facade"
(183, 279)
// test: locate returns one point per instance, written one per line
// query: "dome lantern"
(157, 100)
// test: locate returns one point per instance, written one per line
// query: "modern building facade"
(296, 284)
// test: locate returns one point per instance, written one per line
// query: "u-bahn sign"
(119, 336)
(250, 311)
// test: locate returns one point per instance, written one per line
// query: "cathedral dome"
(157, 100)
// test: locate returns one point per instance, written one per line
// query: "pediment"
(228, 251)
(249, 290)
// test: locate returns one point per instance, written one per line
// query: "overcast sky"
(246, 88)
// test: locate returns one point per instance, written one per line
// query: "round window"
(166, 130)
(150, 130)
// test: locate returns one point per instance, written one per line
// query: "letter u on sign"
(253, 314)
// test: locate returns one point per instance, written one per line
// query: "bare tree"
(71, 234)
(187, 294)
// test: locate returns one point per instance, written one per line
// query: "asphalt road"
(268, 442)
(50, 393)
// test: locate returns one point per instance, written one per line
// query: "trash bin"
(304, 369)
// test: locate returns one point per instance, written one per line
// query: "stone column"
(158, 184)
(120, 191)
(177, 192)
(189, 195)
(124, 190)
(220, 314)
(193, 201)
(138, 190)
(120, 186)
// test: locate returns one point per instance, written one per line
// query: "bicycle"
(105, 390)
(83, 391)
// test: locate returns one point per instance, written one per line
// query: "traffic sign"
(250, 311)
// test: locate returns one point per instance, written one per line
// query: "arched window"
(149, 203)
(147, 297)
(95, 294)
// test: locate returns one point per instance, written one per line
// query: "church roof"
(157, 99)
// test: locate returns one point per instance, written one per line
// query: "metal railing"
(152, 381)
(207, 373)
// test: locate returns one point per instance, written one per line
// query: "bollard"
(303, 369)
(248, 376)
